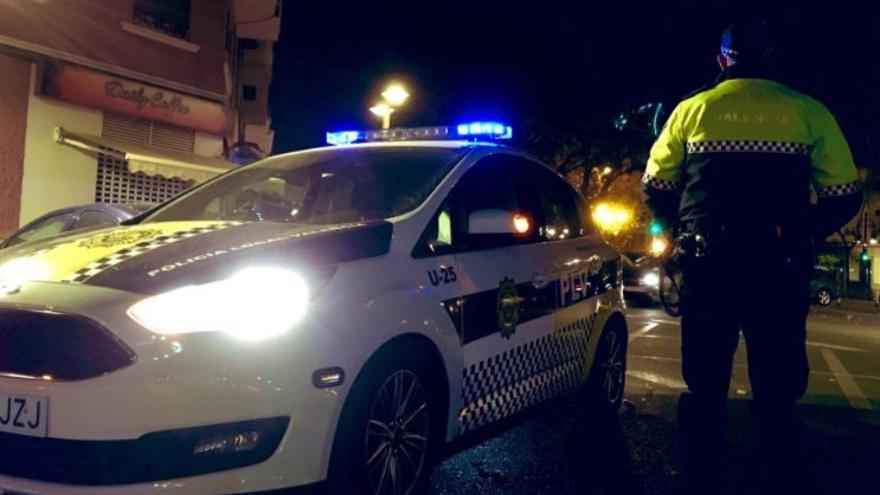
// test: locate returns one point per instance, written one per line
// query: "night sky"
(558, 63)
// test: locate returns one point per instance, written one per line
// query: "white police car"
(333, 315)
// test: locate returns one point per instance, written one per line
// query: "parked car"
(823, 286)
(91, 216)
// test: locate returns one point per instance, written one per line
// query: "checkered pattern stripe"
(525, 376)
(749, 147)
(92, 269)
(837, 190)
(661, 184)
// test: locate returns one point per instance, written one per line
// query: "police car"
(332, 316)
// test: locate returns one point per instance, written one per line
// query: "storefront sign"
(93, 89)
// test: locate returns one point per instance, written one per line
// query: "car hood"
(155, 257)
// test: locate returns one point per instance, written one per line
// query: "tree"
(604, 159)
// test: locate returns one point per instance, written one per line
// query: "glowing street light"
(395, 95)
(612, 217)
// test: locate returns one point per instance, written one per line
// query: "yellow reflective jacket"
(746, 151)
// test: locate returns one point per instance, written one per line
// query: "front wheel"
(388, 430)
(824, 296)
(607, 379)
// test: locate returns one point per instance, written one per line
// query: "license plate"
(24, 414)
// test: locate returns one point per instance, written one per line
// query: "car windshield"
(326, 186)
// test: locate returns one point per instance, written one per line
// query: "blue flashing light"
(344, 137)
(491, 130)
(470, 130)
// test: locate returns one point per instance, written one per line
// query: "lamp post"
(394, 96)
(384, 111)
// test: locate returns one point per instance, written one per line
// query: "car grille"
(44, 344)
(152, 457)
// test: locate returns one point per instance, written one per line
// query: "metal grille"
(148, 133)
(116, 184)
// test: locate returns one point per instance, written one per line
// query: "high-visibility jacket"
(745, 153)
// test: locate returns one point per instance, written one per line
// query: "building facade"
(128, 101)
(860, 239)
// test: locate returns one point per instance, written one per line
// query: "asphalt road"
(561, 450)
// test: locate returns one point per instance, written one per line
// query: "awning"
(148, 160)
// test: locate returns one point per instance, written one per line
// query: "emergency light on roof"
(471, 131)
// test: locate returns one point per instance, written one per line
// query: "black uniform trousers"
(755, 283)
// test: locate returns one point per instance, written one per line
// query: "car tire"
(390, 428)
(824, 297)
(607, 380)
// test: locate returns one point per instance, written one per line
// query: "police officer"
(733, 169)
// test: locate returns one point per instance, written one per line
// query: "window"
(489, 185)
(92, 219)
(248, 44)
(167, 16)
(249, 92)
(561, 217)
(325, 187)
(49, 227)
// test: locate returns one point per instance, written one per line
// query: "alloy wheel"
(397, 435)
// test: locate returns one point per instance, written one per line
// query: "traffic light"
(656, 228)
(864, 257)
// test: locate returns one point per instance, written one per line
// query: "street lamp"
(394, 95)
(383, 110)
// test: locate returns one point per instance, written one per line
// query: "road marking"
(852, 391)
(654, 320)
(845, 312)
(644, 330)
(659, 380)
(835, 346)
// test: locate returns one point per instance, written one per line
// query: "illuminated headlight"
(254, 304)
(22, 270)
(651, 279)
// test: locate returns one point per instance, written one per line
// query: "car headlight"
(21, 270)
(651, 279)
(254, 304)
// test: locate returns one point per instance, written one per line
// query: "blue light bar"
(491, 130)
(472, 131)
(344, 137)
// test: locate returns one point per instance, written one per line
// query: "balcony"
(258, 19)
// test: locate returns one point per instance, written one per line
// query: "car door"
(506, 300)
(582, 267)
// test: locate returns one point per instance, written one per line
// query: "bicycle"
(669, 288)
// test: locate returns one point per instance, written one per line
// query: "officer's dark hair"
(749, 42)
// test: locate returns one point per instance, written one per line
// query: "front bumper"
(155, 456)
(175, 385)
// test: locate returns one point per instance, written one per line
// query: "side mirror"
(498, 222)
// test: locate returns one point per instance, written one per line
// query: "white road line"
(835, 346)
(642, 331)
(654, 320)
(852, 391)
(659, 380)
(847, 313)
